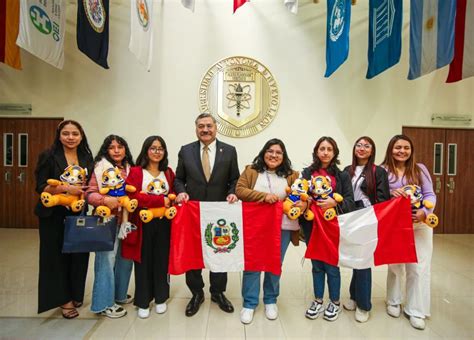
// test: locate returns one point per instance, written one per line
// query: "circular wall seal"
(242, 95)
(95, 13)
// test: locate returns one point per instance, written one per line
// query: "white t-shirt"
(357, 180)
(147, 178)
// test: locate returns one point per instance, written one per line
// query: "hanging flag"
(376, 235)
(292, 5)
(462, 66)
(141, 37)
(9, 28)
(385, 35)
(238, 3)
(337, 34)
(226, 237)
(42, 29)
(189, 4)
(93, 30)
(431, 35)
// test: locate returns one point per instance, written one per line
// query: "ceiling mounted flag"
(93, 30)
(141, 31)
(385, 35)
(292, 5)
(238, 3)
(431, 35)
(337, 34)
(42, 29)
(9, 28)
(462, 66)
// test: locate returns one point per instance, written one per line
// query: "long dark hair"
(143, 160)
(368, 171)
(412, 172)
(104, 151)
(332, 168)
(284, 170)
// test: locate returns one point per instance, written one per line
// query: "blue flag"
(93, 30)
(431, 35)
(385, 35)
(337, 34)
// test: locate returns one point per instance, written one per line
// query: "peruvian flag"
(462, 65)
(238, 3)
(376, 235)
(225, 237)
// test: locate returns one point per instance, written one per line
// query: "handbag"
(84, 234)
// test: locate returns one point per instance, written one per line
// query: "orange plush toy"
(322, 189)
(158, 187)
(417, 202)
(297, 192)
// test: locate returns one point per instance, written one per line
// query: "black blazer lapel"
(219, 154)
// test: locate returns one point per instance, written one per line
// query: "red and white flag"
(376, 235)
(225, 237)
(462, 66)
(238, 3)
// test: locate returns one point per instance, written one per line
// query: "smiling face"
(273, 157)
(156, 152)
(206, 130)
(70, 136)
(116, 152)
(363, 151)
(325, 153)
(401, 151)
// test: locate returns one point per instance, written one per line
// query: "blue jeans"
(271, 282)
(320, 269)
(360, 288)
(111, 278)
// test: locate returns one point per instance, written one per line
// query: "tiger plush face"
(74, 175)
(111, 178)
(321, 185)
(300, 186)
(157, 187)
(415, 194)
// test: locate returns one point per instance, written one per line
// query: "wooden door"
(29, 138)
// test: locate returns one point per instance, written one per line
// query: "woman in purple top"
(403, 170)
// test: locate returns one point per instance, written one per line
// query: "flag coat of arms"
(9, 28)
(225, 237)
(385, 35)
(337, 34)
(42, 29)
(431, 35)
(462, 65)
(373, 236)
(93, 30)
(141, 37)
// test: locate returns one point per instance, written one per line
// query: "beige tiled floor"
(452, 302)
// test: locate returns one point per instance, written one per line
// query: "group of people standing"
(208, 170)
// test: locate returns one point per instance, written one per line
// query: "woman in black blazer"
(62, 277)
(370, 186)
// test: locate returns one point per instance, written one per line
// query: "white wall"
(131, 102)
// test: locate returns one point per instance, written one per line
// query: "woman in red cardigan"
(149, 244)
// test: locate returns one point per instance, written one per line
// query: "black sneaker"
(314, 310)
(332, 311)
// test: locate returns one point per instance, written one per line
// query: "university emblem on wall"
(241, 94)
(95, 13)
(143, 13)
(221, 237)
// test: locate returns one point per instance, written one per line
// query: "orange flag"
(9, 27)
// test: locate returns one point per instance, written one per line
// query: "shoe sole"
(331, 319)
(114, 316)
(313, 317)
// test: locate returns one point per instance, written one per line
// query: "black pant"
(196, 284)
(62, 277)
(151, 275)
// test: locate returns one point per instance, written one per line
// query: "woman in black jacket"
(62, 277)
(370, 186)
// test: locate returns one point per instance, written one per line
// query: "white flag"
(42, 29)
(292, 5)
(188, 4)
(141, 37)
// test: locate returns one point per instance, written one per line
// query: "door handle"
(21, 177)
(438, 185)
(451, 185)
(8, 177)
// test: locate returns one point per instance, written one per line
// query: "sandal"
(77, 304)
(71, 313)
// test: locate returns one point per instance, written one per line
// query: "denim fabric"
(271, 282)
(361, 287)
(111, 278)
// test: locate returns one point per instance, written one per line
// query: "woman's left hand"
(327, 203)
(418, 216)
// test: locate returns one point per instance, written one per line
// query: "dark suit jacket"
(190, 175)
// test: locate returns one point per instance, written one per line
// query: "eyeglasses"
(273, 152)
(156, 150)
(365, 146)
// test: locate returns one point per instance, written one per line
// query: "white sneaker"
(314, 310)
(161, 308)
(417, 323)
(393, 310)
(114, 312)
(332, 311)
(350, 305)
(246, 315)
(143, 313)
(361, 315)
(271, 311)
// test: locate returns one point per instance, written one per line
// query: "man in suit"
(207, 171)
